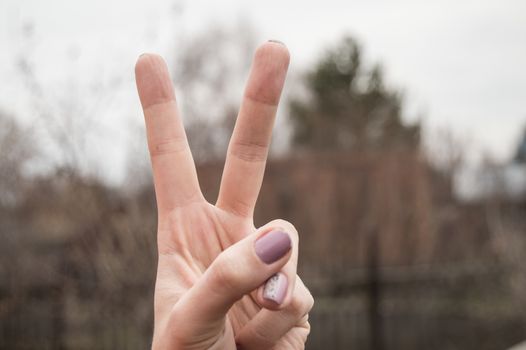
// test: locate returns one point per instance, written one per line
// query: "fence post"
(374, 292)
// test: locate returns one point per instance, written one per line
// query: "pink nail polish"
(273, 246)
(276, 288)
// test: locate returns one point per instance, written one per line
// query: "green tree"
(349, 106)
(520, 153)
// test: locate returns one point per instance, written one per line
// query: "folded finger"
(268, 327)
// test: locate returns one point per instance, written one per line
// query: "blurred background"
(399, 154)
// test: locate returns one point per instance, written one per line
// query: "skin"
(208, 292)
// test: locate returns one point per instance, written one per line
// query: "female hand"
(220, 281)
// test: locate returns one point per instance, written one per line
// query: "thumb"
(237, 271)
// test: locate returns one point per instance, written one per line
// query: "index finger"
(174, 172)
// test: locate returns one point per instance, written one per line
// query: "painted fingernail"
(272, 246)
(276, 288)
(276, 41)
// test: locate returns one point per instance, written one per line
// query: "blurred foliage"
(349, 106)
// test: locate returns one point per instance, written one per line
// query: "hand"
(220, 281)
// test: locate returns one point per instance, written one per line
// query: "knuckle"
(301, 304)
(167, 146)
(260, 336)
(304, 321)
(307, 328)
(224, 274)
(250, 151)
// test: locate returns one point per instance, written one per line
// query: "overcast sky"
(460, 63)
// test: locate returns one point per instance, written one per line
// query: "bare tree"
(16, 150)
(210, 69)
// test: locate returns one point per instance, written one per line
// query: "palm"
(192, 233)
(202, 231)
